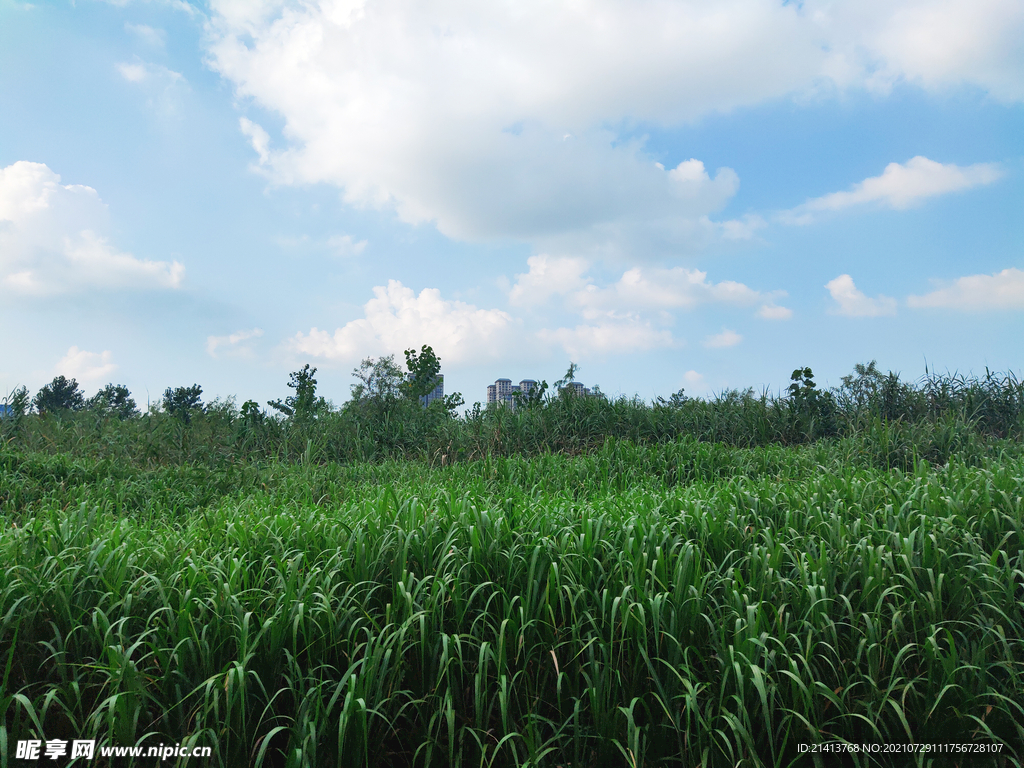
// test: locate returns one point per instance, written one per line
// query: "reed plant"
(638, 602)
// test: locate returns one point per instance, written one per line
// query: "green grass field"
(679, 603)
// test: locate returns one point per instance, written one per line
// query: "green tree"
(304, 404)
(424, 367)
(183, 401)
(379, 381)
(532, 398)
(861, 387)
(115, 400)
(451, 403)
(251, 413)
(61, 394)
(814, 411)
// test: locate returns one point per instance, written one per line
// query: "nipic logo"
(36, 749)
(29, 750)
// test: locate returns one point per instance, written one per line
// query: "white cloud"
(625, 315)
(853, 303)
(345, 246)
(164, 88)
(1001, 291)
(178, 5)
(498, 120)
(50, 242)
(936, 44)
(85, 366)
(152, 37)
(489, 124)
(774, 312)
(608, 337)
(258, 138)
(232, 344)
(742, 229)
(397, 319)
(726, 338)
(664, 289)
(548, 276)
(693, 379)
(900, 187)
(133, 73)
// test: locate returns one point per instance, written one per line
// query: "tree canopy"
(61, 394)
(182, 401)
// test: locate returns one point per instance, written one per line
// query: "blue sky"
(670, 194)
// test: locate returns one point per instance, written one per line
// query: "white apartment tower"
(504, 391)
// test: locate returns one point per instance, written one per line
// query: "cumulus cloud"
(488, 120)
(726, 338)
(632, 313)
(693, 379)
(853, 303)
(900, 187)
(935, 44)
(977, 293)
(50, 241)
(655, 289)
(497, 120)
(629, 334)
(548, 276)
(85, 366)
(397, 319)
(232, 344)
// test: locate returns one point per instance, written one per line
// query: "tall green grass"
(685, 603)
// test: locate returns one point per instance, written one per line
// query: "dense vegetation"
(895, 421)
(576, 582)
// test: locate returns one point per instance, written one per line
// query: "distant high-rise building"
(503, 390)
(437, 393)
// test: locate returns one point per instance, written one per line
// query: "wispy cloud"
(774, 312)
(151, 36)
(165, 89)
(345, 246)
(726, 338)
(900, 186)
(976, 293)
(232, 344)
